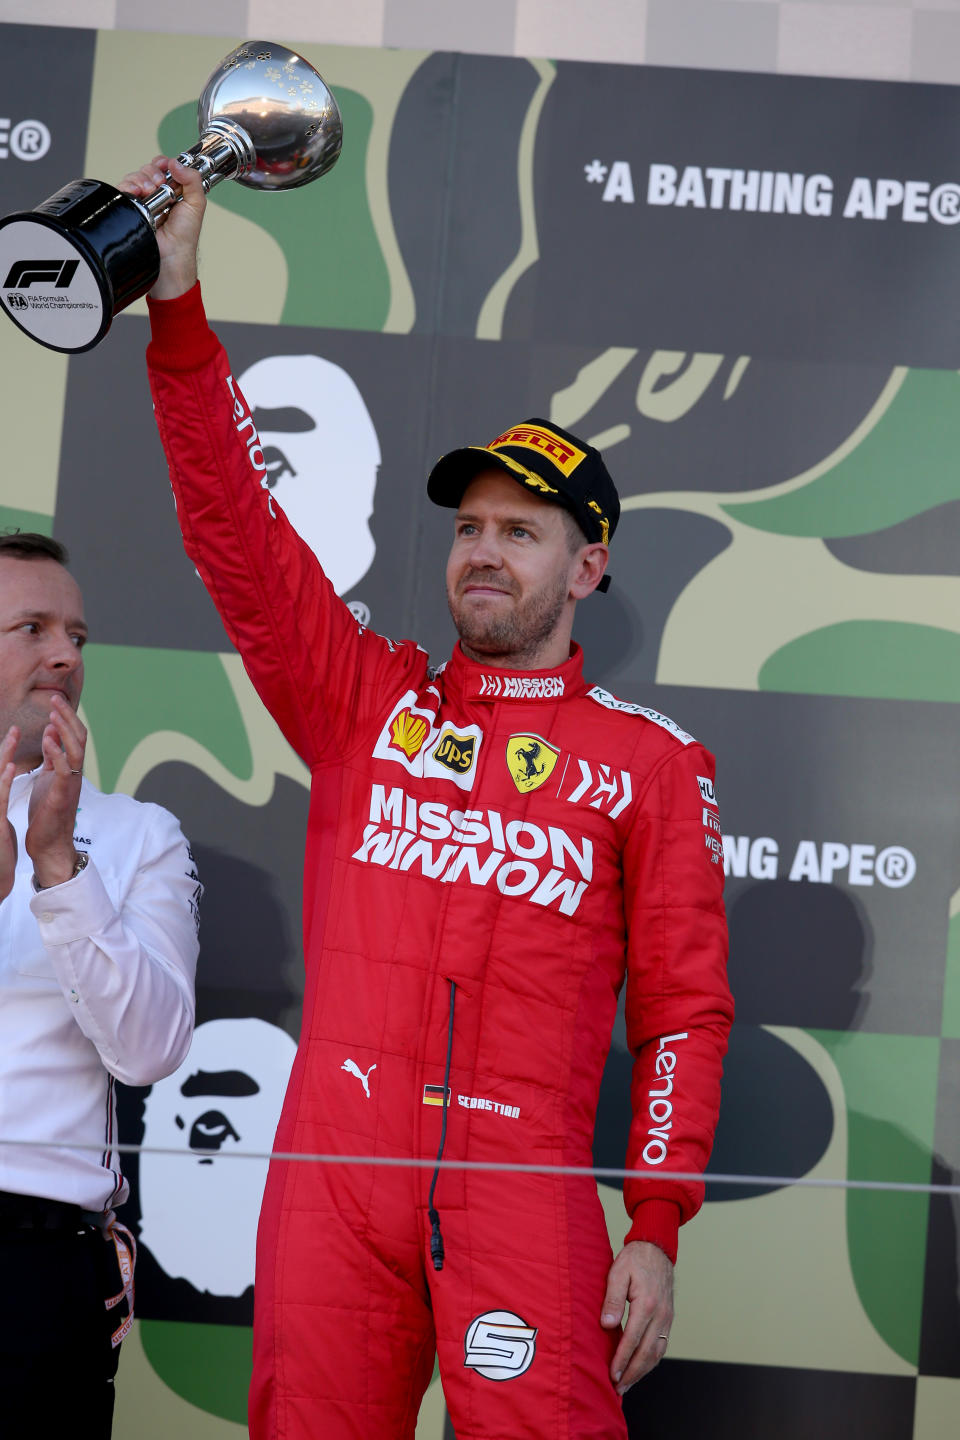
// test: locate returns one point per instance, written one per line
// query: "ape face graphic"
(200, 1209)
(322, 456)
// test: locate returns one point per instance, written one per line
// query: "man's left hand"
(51, 818)
(642, 1276)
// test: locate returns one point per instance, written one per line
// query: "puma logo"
(353, 1068)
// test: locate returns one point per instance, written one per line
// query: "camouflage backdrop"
(743, 288)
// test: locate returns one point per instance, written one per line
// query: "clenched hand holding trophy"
(266, 120)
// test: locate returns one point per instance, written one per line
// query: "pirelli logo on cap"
(565, 456)
(433, 1095)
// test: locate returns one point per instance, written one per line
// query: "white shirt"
(96, 985)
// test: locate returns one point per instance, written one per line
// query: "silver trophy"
(266, 120)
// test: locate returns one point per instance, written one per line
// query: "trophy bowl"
(279, 101)
(266, 119)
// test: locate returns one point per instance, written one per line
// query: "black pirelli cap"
(549, 461)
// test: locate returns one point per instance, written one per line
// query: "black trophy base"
(68, 266)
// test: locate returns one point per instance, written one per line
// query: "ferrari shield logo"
(530, 761)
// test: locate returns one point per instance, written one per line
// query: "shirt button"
(48, 917)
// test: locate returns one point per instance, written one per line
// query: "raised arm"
(318, 672)
(124, 956)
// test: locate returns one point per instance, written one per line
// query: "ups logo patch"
(530, 761)
(455, 751)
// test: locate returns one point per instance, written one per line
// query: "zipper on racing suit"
(436, 1239)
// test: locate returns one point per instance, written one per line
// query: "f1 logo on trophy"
(266, 120)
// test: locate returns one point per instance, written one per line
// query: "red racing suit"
(490, 854)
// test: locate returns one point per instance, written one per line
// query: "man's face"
(42, 633)
(509, 572)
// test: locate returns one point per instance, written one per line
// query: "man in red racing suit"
(492, 850)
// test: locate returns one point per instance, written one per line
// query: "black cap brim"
(452, 474)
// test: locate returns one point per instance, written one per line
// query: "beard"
(514, 638)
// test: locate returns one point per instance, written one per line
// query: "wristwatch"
(81, 864)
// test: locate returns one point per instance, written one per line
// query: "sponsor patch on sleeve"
(707, 792)
(610, 702)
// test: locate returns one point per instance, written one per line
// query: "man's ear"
(591, 564)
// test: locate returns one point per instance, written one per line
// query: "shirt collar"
(28, 774)
(475, 681)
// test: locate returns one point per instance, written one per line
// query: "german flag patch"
(433, 1095)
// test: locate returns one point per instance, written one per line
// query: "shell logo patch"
(530, 760)
(408, 733)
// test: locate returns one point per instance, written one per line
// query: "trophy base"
(68, 266)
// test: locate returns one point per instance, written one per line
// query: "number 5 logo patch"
(499, 1345)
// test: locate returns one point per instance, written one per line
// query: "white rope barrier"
(599, 1172)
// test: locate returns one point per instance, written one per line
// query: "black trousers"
(57, 1363)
